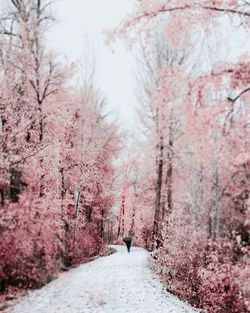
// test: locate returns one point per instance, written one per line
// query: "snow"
(120, 283)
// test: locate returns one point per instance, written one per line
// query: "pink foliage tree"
(197, 121)
(57, 152)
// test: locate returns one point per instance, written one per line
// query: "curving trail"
(120, 283)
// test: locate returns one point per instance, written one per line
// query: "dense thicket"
(56, 154)
(187, 195)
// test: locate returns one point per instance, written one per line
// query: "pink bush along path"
(187, 198)
(57, 152)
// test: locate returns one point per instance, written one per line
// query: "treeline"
(56, 159)
(186, 189)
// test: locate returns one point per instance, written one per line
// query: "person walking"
(128, 241)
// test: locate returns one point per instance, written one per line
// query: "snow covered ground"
(120, 283)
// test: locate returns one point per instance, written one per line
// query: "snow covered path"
(120, 283)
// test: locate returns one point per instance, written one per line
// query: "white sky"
(83, 21)
(79, 30)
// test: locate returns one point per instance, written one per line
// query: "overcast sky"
(80, 29)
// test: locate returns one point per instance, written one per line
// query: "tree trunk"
(131, 231)
(121, 218)
(76, 217)
(169, 180)
(158, 191)
(63, 192)
(101, 232)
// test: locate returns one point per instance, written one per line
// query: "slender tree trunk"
(158, 191)
(76, 218)
(63, 192)
(131, 231)
(169, 177)
(216, 204)
(101, 233)
(121, 218)
(215, 210)
(41, 182)
(169, 181)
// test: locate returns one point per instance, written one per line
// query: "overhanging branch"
(233, 100)
(166, 9)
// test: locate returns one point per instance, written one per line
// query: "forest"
(71, 183)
